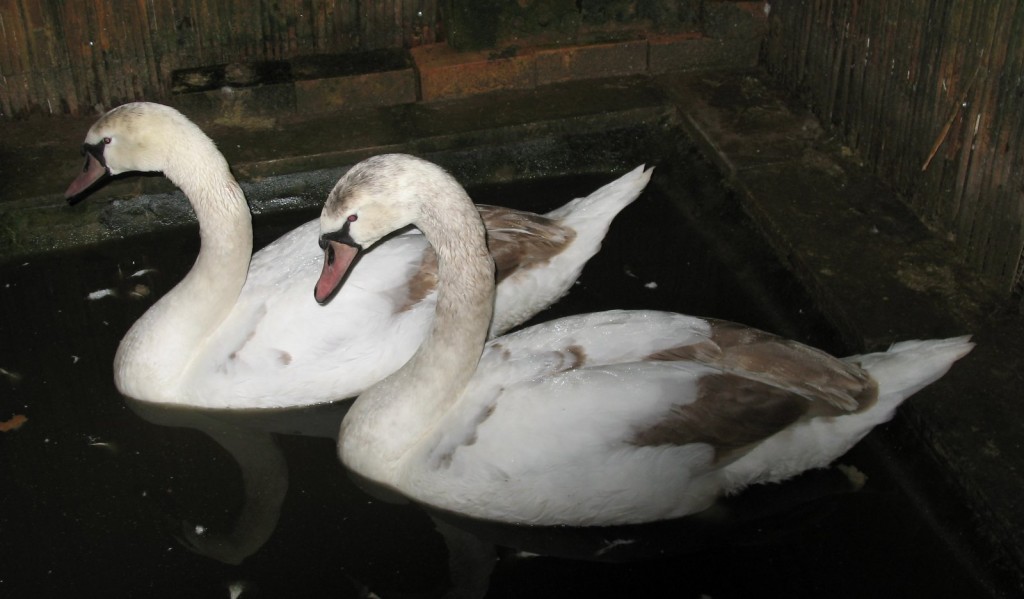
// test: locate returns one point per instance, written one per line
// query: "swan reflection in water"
(761, 515)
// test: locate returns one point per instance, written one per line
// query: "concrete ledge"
(445, 73)
(687, 51)
(291, 163)
(303, 85)
(591, 61)
(880, 276)
(373, 89)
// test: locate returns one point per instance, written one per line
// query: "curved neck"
(158, 350)
(225, 241)
(448, 357)
(391, 417)
(225, 225)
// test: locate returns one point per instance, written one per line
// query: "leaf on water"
(13, 424)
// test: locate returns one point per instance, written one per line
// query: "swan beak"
(338, 260)
(91, 173)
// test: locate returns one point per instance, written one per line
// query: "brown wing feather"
(522, 240)
(731, 413)
(424, 281)
(803, 370)
(764, 383)
(517, 241)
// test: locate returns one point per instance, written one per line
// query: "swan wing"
(519, 240)
(279, 347)
(605, 405)
(542, 256)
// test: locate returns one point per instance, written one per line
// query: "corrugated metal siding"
(931, 93)
(68, 57)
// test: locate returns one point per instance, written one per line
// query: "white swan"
(241, 334)
(606, 418)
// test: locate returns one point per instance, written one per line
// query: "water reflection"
(249, 438)
(759, 517)
(263, 468)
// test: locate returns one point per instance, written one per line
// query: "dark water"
(97, 495)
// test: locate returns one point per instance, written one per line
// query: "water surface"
(98, 494)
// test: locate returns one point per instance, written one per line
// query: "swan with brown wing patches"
(597, 419)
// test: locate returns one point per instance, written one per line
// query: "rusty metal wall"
(931, 94)
(64, 57)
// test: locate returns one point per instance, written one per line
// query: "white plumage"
(597, 419)
(244, 331)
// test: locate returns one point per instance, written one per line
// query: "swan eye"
(352, 218)
(106, 140)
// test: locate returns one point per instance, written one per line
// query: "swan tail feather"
(909, 366)
(605, 203)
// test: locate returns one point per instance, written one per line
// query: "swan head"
(140, 136)
(375, 198)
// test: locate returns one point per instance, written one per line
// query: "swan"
(240, 330)
(606, 418)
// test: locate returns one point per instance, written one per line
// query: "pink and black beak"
(95, 169)
(341, 253)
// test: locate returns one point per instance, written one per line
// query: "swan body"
(595, 419)
(241, 330)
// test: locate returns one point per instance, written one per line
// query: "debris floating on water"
(139, 291)
(102, 293)
(609, 545)
(13, 423)
(12, 376)
(235, 589)
(857, 478)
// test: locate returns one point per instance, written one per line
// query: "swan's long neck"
(158, 350)
(391, 417)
